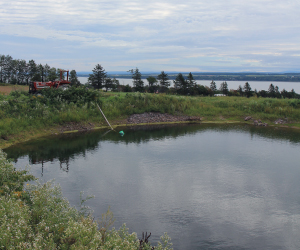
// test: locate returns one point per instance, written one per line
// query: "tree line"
(19, 71)
(16, 71)
(183, 86)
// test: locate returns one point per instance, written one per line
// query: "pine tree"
(240, 90)
(271, 91)
(163, 81)
(73, 78)
(191, 83)
(97, 79)
(137, 80)
(213, 87)
(224, 88)
(247, 89)
(180, 84)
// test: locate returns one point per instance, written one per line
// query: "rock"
(194, 118)
(260, 123)
(247, 118)
(280, 121)
(155, 117)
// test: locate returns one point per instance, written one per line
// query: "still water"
(208, 186)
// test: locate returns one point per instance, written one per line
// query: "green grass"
(24, 114)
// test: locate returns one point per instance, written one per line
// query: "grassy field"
(25, 116)
(5, 90)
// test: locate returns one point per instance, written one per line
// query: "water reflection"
(208, 186)
(67, 146)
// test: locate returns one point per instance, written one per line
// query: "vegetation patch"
(37, 216)
(25, 116)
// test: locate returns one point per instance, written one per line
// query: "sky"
(169, 35)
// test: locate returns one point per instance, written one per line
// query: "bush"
(37, 216)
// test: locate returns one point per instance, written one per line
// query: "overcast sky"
(169, 35)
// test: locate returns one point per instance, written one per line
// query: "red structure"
(38, 86)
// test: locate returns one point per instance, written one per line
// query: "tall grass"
(21, 112)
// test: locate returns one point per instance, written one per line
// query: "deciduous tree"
(152, 84)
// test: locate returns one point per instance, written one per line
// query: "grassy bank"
(26, 116)
(37, 216)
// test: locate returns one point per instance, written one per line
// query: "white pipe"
(104, 117)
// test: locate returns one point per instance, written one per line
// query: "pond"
(208, 186)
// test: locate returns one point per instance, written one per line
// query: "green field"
(25, 116)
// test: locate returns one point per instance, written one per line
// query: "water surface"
(208, 186)
(258, 85)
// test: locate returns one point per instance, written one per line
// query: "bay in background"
(258, 85)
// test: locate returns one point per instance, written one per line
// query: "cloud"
(195, 32)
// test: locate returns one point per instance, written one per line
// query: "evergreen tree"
(2, 60)
(277, 92)
(21, 71)
(73, 78)
(163, 81)
(247, 89)
(213, 87)
(224, 88)
(191, 83)
(180, 84)
(271, 91)
(115, 85)
(97, 79)
(284, 93)
(7, 68)
(52, 76)
(108, 83)
(240, 90)
(33, 71)
(138, 84)
(41, 72)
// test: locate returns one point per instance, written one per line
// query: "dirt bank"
(153, 117)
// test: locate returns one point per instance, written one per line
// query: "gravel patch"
(153, 117)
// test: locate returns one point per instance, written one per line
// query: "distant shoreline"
(278, 77)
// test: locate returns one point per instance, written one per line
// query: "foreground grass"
(25, 116)
(39, 217)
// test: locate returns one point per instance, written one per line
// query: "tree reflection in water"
(66, 147)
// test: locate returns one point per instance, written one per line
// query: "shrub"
(37, 216)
